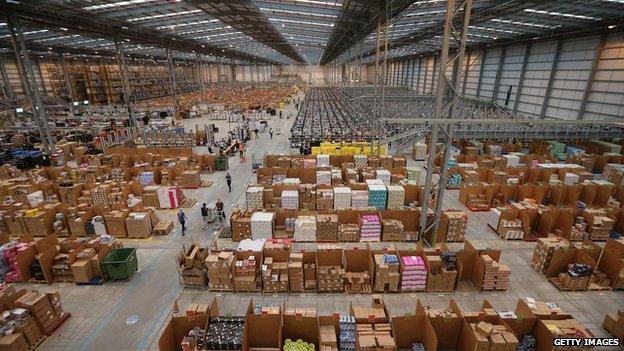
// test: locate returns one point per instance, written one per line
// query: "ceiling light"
(611, 26)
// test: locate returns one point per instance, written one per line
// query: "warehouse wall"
(540, 79)
(13, 76)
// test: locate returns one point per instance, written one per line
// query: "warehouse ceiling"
(285, 31)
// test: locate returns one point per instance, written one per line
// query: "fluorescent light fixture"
(164, 15)
(115, 4)
(19, 110)
(561, 14)
(86, 102)
(75, 103)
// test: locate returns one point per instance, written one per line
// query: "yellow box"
(32, 213)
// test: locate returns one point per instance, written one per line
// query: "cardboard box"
(83, 271)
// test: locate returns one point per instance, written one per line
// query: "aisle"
(99, 313)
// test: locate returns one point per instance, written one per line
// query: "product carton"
(416, 328)
(179, 326)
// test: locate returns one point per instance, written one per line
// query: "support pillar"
(125, 82)
(30, 83)
(551, 78)
(174, 84)
(67, 82)
(592, 75)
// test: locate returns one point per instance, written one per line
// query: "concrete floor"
(99, 313)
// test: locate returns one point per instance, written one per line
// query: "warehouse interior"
(332, 175)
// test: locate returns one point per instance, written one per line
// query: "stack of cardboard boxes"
(191, 179)
(23, 331)
(48, 313)
(295, 272)
(413, 273)
(387, 274)
(544, 251)
(375, 337)
(220, 271)
(496, 275)
(307, 196)
(601, 230)
(327, 227)
(324, 199)
(493, 337)
(348, 232)
(240, 223)
(477, 202)
(245, 274)
(457, 222)
(330, 278)
(115, 223)
(138, 225)
(510, 229)
(393, 230)
(274, 276)
(191, 265)
(614, 324)
(327, 338)
(438, 277)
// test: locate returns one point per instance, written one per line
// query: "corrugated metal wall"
(528, 93)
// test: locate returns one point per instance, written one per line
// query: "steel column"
(425, 75)
(592, 75)
(483, 56)
(418, 76)
(527, 54)
(447, 98)
(466, 73)
(22, 59)
(411, 79)
(6, 83)
(174, 84)
(200, 71)
(499, 70)
(433, 70)
(125, 82)
(551, 78)
(70, 95)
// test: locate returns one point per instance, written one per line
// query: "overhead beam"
(592, 76)
(551, 78)
(90, 25)
(245, 16)
(348, 31)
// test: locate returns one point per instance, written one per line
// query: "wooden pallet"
(562, 287)
(37, 343)
(94, 281)
(596, 287)
(206, 183)
(163, 227)
(221, 289)
(188, 202)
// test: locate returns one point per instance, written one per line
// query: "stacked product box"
(336, 176)
(307, 196)
(511, 229)
(324, 199)
(457, 222)
(440, 276)
(496, 275)
(309, 163)
(262, 225)
(327, 227)
(377, 196)
(274, 276)
(384, 175)
(305, 229)
(295, 272)
(330, 278)
(323, 177)
(413, 273)
(544, 251)
(220, 270)
(348, 232)
(290, 199)
(371, 228)
(413, 174)
(396, 197)
(342, 198)
(601, 229)
(393, 230)
(245, 274)
(359, 198)
(387, 273)
(360, 161)
(322, 160)
(347, 333)
(41, 308)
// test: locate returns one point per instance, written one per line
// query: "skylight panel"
(528, 24)
(152, 17)
(115, 5)
(302, 22)
(560, 14)
(186, 24)
(298, 13)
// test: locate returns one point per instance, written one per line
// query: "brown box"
(83, 271)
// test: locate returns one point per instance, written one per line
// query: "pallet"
(596, 287)
(188, 202)
(37, 281)
(37, 343)
(206, 183)
(163, 228)
(225, 232)
(366, 289)
(221, 289)
(477, 209)
(94, 281)
(562, 287)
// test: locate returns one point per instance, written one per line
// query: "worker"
(219, 208)
(241, 150)
(271, 132)
(113, 126)
(256, 132)
(146, 119)
(280, 114)
(182, 220)
(204, 214)
(228, 180)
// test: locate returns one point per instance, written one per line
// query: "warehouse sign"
(586, 342)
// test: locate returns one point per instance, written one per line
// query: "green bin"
(221, 163)
(120, 264)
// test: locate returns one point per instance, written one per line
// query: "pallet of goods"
(457, 222)
(220, 268)
(387, 275)
(327, 227)
(192, 266)
(544, 251)
(413, 273)
(496, 275)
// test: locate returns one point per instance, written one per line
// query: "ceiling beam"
(347, 32)
(245, 16)
(89, 25)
